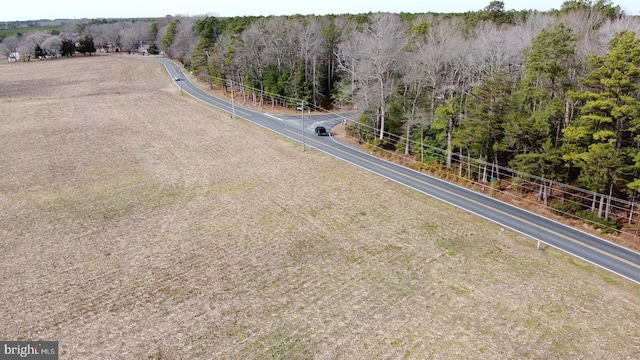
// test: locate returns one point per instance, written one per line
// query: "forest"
(552, 96)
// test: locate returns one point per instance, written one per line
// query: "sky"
(78, 9)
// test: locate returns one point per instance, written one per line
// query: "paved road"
(597, 251)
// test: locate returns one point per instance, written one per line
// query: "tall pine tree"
(482, 130)
(541, 107)
(603, 141)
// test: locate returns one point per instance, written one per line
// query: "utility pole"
(303, 145)
(421, 143)
(208, 71)
(233, 105)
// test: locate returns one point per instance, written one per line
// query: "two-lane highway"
(597, 251)
(287, 126)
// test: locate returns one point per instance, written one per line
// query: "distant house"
(143, 49)
(14, 56)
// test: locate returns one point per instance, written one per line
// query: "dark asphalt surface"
(592, 249)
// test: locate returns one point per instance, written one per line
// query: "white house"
(143, 49)
(14, 56)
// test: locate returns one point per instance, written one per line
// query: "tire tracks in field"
(160, 140)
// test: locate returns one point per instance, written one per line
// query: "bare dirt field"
(136, 223)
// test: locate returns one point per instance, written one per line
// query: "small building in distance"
(14, 56)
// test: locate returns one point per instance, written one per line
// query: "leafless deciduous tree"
(372, 58)
(52, 45)
(429, 69)
(185, 41)
(252, 57)
(9, 45)
(599, 40)
(108, 36)
(37, 38)
(280, 37)
(497, 49)
(28, 43)
(585, 24)
(310, 40)
(133, 35)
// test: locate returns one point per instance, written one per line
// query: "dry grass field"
(136, 223)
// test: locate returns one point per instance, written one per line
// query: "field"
(136, 223)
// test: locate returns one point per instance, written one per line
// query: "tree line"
(554, 94)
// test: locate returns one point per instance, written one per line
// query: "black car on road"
(321, 131)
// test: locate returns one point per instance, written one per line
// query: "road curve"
(590, 248)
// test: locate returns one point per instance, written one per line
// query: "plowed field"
(136, 223)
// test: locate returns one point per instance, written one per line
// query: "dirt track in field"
(136, 223)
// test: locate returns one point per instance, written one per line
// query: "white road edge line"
(272, 116)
